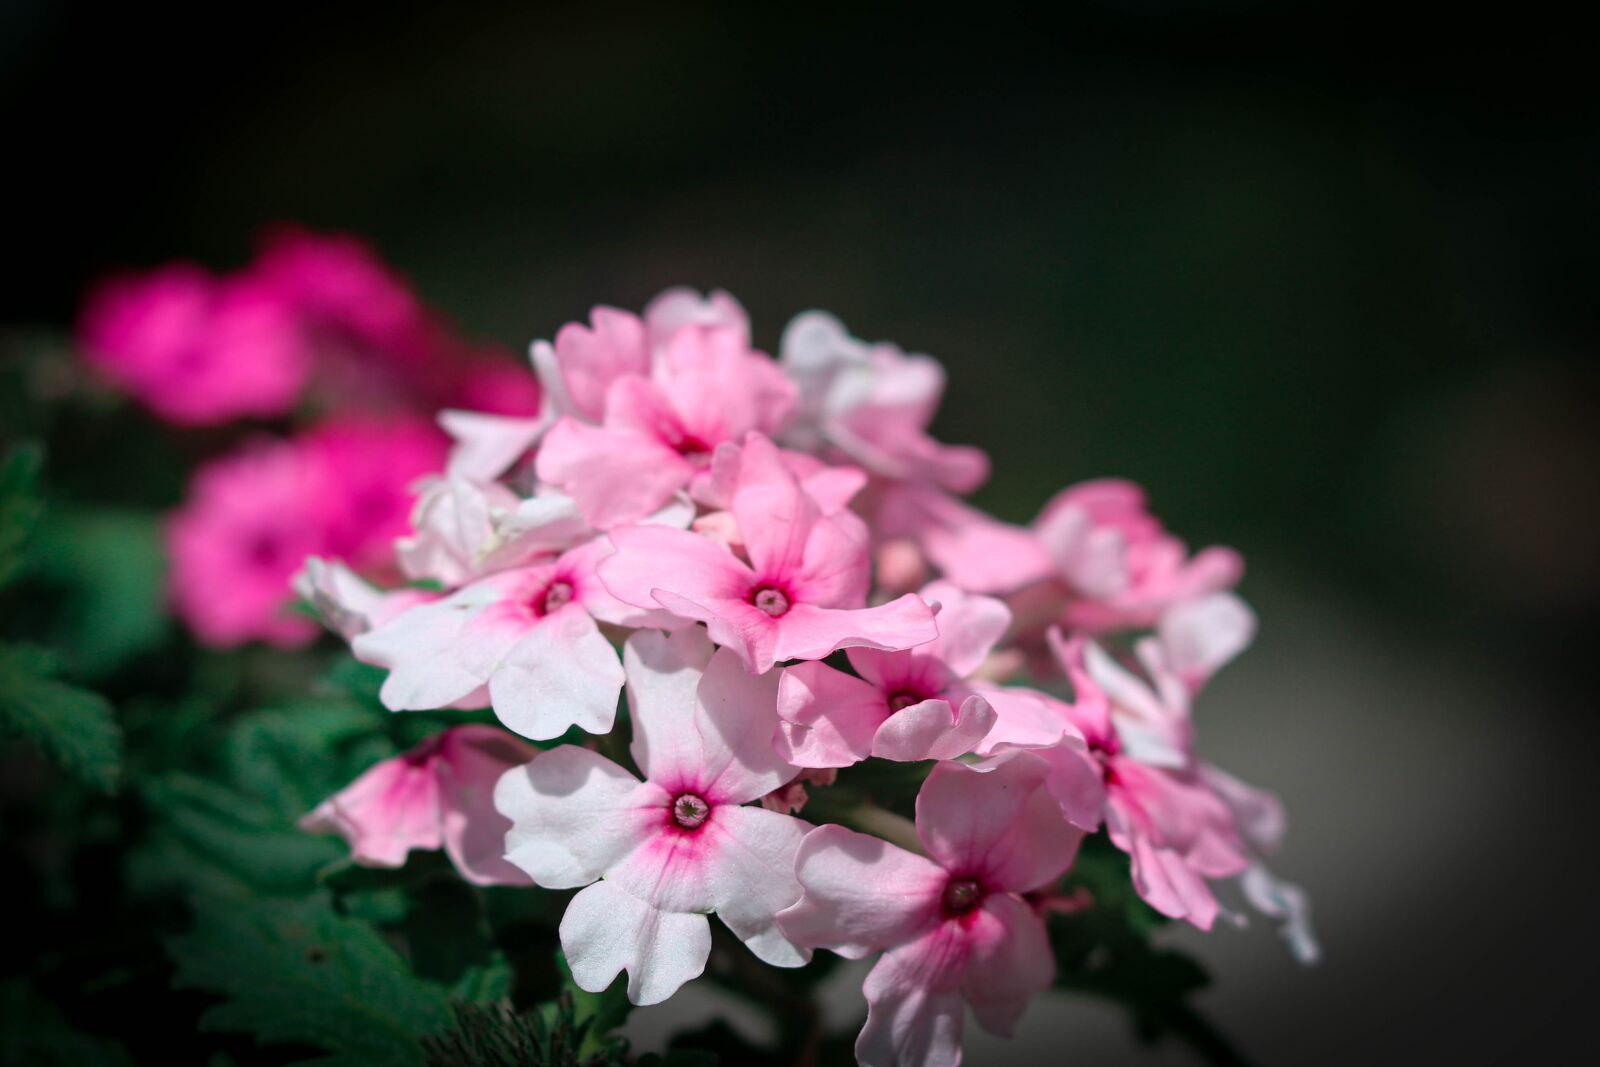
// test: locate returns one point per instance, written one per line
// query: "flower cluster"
(773, 559)
(316, 326)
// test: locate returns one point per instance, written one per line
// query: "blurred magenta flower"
(194, 348)
(253, 517)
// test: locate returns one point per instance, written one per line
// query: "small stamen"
(689, 811)
(770, 600)
(558, 596)
(961, 896)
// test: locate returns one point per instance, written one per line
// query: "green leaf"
(74, 726)
(596, 1014)
(20, 506)
(241, 833)
(297, 972)
(111, 568)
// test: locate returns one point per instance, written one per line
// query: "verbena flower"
(732, 522)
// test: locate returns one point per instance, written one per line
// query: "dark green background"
(1322, 279)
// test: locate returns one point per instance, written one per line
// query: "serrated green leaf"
(241, 832)
(297, 972)
(74, 726)
(20, 506)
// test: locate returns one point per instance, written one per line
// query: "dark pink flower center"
(690, 811)
(689, 446)
(962, 895)
(770, 600)
(901, 699)
(556, 597)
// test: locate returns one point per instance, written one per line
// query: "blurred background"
(1324, 284)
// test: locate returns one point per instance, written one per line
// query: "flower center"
(691, 447)
(770, 600)
(689, 811)
(558, 596)
(900, 700)
(962, 895)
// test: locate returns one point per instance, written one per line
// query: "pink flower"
(657, 856)
(910, 705)
(252, 518)
(872, 403)
(438, 795)
(249, 522)
(1106, 562)
(660, 431)
(347, 299)
(374, 464)
(1158, 806)
(196, 349)
(951, 927)
(1261, 823)
(496, 385)
(803, 592)
(529, 634)
(1122, 568)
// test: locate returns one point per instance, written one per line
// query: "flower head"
(657, 855)
(438, 795)
(951, 925)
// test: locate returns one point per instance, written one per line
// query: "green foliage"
(297, 972)
(239, 832)
(109, 566)
(74, 726)
(20, 506)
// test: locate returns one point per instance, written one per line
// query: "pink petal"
(702, 723)
(562, 673)
(1200, 636)
(862, 894)
(439, 652)
(652, 558)
(574, 814)
(808, 632)
(1258, 814)
(1024, 716)
(675, 308)
(588, 359)
(392, 808)
(753, 878)
(932, 729)
(486, 446)
(914, 1013)
(775, 514)
(826, 718)
(616, 475)
(472, 760)
(607, 930)
(974, 550)
(1010, 962)
(993, 821)
(969, 627)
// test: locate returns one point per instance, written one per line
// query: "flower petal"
(862, 894)
(827, 718)
(994, 821)
(563, 673)
(574, 814)
(607, 930)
